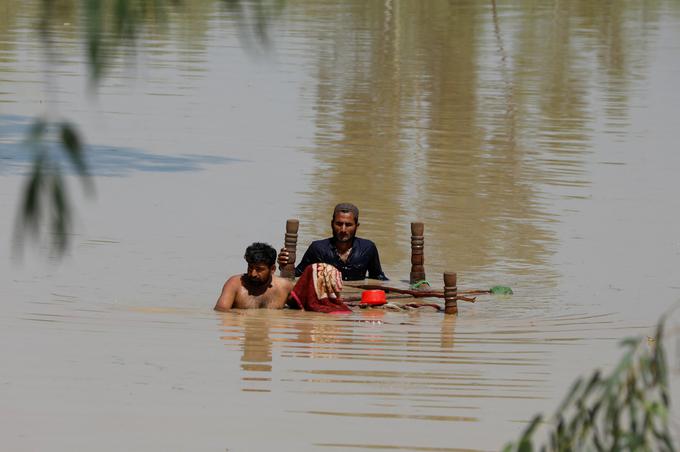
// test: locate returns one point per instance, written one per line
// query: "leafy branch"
(110, 28)
(626, 410)
(45, 193)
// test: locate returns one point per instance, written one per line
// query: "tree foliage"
(45, 193)
(109, 28)
(625, 410)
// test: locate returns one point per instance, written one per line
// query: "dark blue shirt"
(362, 258)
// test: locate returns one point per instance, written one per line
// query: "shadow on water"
(16, 156)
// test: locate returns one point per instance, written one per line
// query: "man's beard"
(257, 282)
(343, 238)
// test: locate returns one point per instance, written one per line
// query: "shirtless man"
(258, 287)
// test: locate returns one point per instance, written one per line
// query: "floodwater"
(536, 140)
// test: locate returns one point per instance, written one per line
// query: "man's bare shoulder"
(234, 282)
(282, 283)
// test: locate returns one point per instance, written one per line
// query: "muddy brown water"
(536, 141)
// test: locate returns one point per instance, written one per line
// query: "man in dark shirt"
(353, 256)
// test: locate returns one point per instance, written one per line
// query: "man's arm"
(310, 257)
(374, 269)
(226, 299)
(288, 290)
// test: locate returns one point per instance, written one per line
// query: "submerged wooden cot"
(417, 274)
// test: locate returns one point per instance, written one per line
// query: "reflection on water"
(453, 113)
(413, 368)
(408, 369)
(533, 140)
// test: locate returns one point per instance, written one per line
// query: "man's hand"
(283, 258)
(329, 279)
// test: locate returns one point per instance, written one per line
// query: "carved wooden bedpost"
(417, 256)
(450, 293)
(290, 244)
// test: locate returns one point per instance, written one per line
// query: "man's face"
(259, 274)
(344, 226)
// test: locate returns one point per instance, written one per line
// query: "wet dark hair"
(345, 207)
(260, 253)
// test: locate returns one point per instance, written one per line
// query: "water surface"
(536, 142)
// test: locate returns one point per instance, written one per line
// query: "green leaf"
(61, 221)
(501, 290)
(32, 192)
(72, 145)
(630, 342)
(526, 436)
(570, 395)
(525, 445)
(70, 138)
(592, 383)
(95, 43)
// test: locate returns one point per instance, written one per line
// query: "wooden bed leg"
(417, 256)
(290, 244)
(450, 293)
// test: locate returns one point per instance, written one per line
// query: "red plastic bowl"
(373, 297)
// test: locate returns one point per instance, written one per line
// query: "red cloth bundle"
(318, 290)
